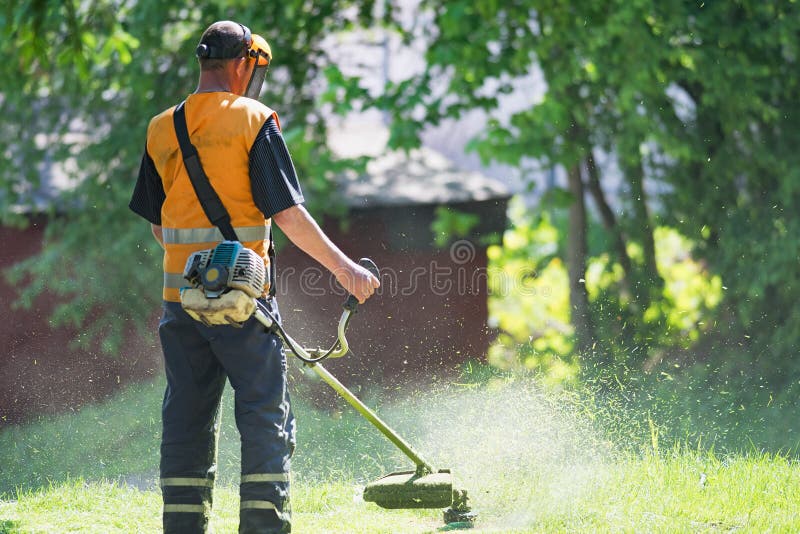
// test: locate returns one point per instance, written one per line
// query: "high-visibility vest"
(223, 127)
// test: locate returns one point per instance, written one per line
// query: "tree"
(738, 190)
(578, 113)
(699, 98)
(80, 82)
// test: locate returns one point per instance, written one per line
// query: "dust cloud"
(513, 446)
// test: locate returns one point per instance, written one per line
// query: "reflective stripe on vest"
(175, 280)
(188, 236)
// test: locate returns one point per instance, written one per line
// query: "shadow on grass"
(9, 527)
(461, 525)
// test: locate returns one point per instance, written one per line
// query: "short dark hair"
(225, 35)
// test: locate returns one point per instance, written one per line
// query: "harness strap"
(273, 287)
(209, 200)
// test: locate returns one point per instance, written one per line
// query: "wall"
(428, 318)
(39, 372)
(422, 325)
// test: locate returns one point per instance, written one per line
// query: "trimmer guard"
(407, 489)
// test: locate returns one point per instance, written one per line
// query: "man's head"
(229, 50)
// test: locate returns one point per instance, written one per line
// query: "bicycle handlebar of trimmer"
(351, 303)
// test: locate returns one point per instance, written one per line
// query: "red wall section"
(428, 318)
(39, 373)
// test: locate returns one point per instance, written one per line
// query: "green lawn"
(108, 508)
(680, 492)
(532, 462)
(119, 439)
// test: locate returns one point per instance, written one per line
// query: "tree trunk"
(576, 262)
(610, 223)
(633, 168)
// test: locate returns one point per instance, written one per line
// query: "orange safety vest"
(223, 127)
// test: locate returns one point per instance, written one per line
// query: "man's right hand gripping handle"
(367, 287)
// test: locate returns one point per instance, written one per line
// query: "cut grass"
(681, 492)
(110, 508)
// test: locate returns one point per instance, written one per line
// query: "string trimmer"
(226, 283)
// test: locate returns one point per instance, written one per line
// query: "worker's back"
(223, 128)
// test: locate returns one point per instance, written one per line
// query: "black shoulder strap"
(209, 200)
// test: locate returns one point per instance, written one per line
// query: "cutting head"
(408, 489)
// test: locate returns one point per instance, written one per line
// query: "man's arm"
(158, 234)
(277, 194)
(303, 231)
(148, 196)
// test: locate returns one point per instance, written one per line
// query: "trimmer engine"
(224, 281)
(229, 265)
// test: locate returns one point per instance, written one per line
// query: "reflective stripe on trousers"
(187, 503)
(198, 360)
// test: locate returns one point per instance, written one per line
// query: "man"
(242, 152)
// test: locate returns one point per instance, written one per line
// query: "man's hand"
(358, 281)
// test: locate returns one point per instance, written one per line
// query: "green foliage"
(529, 299)
(81, 81)
(451, 224)
(672, 324)
(737, 193)
(343, 92)
(529, 302)
(698, 99)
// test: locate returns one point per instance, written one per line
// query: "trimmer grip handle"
(351, 303)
